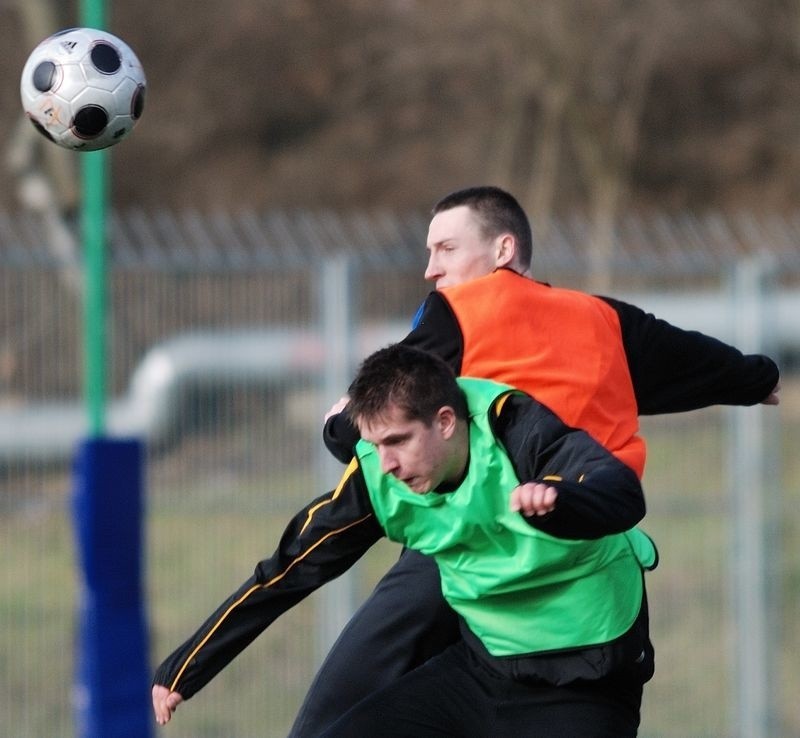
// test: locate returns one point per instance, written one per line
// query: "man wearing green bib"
(531, 525)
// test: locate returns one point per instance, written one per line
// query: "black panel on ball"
(105, 58)
(137, 104)
(44, 76)
(90, 121)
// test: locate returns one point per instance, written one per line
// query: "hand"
(338, 406)
(772, 398)
(533, 498)
(164, 703)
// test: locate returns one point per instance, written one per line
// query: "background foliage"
(596, 104)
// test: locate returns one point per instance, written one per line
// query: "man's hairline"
(406, 417)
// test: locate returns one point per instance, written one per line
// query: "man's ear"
(505, 250)
(446, 421)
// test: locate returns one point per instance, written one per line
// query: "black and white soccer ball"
(83, 89)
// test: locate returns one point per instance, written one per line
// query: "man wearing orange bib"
(596, 362)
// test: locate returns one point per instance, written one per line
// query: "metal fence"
(230, 335)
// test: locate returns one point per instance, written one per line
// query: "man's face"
(421, 456)
(458, 251)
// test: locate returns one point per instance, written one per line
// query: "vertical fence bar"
(751, 491)
(336, 319)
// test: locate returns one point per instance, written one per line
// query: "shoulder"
(436, 330)
(516, 414)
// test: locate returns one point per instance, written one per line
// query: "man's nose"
(432, 271)
(388, 461)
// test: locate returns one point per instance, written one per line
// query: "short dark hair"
(415, 381)
(498, 212)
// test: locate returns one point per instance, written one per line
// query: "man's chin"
(416, 487)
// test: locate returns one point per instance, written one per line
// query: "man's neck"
(460, 461)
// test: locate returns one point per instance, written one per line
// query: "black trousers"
(457, 694)
(403, 623)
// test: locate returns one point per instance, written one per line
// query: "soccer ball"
(83, 89)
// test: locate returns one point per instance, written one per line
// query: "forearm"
(602, 503)
(721, 378)
(322, 540)
(675, 370)
(227, 632)
(597, 494)
(239, 620)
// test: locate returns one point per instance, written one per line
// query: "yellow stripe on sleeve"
(256, 587)
(351, 467)
(174, 685)
(498, 405)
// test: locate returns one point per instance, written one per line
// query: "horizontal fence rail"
(688, 245)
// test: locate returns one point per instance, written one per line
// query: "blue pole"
(112, 688)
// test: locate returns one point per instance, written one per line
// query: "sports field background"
(242, 457)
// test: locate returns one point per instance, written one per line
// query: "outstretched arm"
(674, 370)
(322, 541)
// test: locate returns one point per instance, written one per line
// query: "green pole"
(94, 177)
